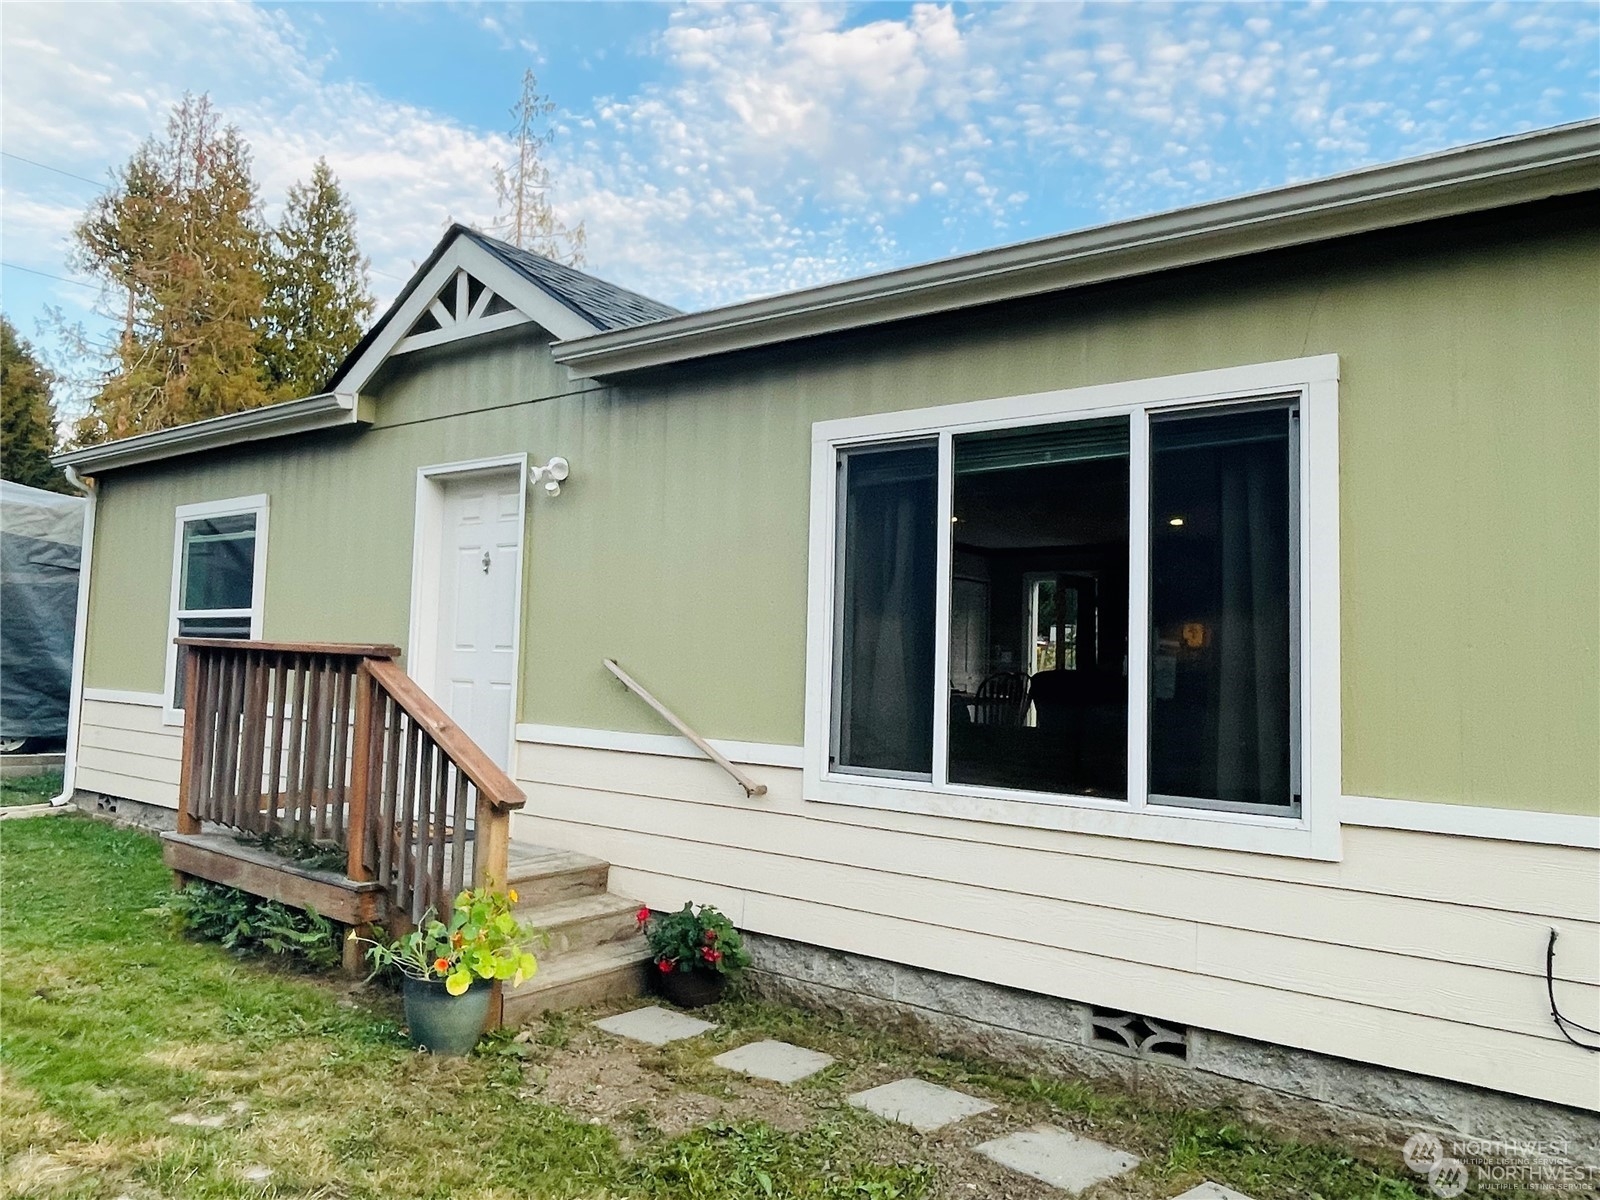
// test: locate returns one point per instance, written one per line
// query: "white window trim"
(1314, 382)
(185, 513)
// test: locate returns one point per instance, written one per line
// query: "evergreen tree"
(319, 294)
(27, 415)
(525, 217)
(179, 236)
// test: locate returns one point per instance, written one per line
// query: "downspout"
(80, 639)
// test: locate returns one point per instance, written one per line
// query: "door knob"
(485, 562)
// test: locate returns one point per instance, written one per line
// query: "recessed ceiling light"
(1175, 522)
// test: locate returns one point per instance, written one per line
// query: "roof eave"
(326, 410)
(1527, 167)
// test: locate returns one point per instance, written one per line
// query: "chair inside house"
(1002, 699)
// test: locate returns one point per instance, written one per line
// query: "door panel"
(479, 587)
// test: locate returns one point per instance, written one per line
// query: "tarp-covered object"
(41, 538)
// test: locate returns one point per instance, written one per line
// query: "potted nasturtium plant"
(696, 951)
(450, 968)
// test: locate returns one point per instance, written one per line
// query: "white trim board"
(326, 410)
(667, 745)
(1454, 820)
(1465, 820)
(1373, 812)
(121, 696)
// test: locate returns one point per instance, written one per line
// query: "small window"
(217, 578)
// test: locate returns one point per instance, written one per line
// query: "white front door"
(479, 580)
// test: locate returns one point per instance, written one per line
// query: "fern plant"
(249, 924)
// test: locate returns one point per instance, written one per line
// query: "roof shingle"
(600, 303)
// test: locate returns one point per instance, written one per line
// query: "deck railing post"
(187, 821)
(492, 845)
(363, 732)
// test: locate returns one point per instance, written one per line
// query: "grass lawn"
(284, 1085)
(30, 789)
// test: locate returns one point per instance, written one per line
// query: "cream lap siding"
(125, 750)
(1420, 952)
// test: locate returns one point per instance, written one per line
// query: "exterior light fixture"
(551, 475)
(1176, 522)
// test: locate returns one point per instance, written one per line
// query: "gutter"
(80, 640)
(1514, 170)
(326, 410)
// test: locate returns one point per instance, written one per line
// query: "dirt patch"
(605, 1081)
(672, 1090)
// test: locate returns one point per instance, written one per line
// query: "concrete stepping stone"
(1212, 1191)
(919, 1104)
(778, 1061)
(1057, 1157)
(654, 1026)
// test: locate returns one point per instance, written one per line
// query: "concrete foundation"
(155, 817)
(1311, 1096)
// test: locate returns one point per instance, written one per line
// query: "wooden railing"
(335, 745)
(751, 788)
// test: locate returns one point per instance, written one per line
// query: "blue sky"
(720, 151)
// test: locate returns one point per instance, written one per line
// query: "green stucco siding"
(1469, 500)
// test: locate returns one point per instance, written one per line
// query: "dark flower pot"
(444, 1024)
(692, 989)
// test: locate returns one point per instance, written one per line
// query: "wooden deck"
(333, 744)
(221, 857)
(589, 947)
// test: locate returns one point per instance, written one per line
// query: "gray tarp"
(41, 536)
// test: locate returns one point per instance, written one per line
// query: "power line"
(47, 275)
(47, 167)
(102, 187)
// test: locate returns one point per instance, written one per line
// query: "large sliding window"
(219, 560)
(1099, 607)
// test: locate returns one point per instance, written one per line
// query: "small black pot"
(692, 989)
(446, 1024)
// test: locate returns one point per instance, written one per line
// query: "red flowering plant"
(481, 940)
(694, 939)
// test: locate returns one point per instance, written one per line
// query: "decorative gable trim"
(465, 292)
(465, 308)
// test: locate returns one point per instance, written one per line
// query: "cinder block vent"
(1138, 1036)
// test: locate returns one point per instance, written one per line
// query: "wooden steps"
(594, 950)
(591, 952)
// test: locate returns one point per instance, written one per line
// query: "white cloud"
(780, 146)
(83, 93)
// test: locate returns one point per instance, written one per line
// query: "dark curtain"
(886, 677)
